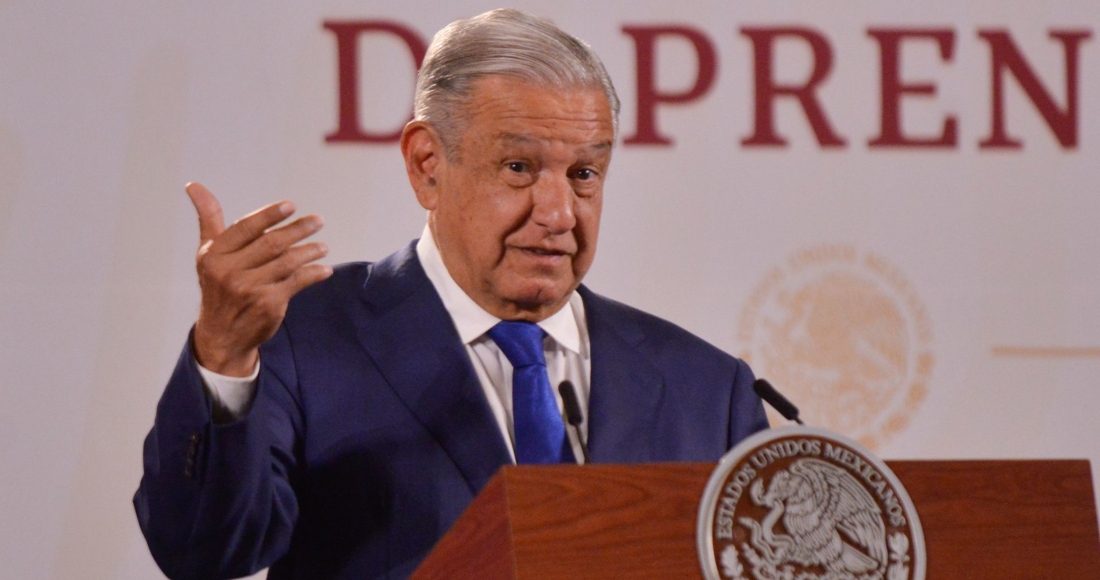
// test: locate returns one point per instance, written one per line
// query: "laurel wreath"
(762, 569)
(899, 557)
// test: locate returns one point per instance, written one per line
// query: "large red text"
(1057, 106)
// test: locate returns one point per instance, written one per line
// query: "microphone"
(573, 413)
(766, 391)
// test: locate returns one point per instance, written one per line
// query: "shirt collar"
(471, 320)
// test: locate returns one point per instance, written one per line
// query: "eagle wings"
(830, 519)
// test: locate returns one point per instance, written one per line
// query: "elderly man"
(334, 423)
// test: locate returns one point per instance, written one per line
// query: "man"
(335, 423)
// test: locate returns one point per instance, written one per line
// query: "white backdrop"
(932, 302)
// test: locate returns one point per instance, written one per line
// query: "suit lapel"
(412, 341)
(626, 387)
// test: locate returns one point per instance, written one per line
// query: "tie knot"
(521, 342)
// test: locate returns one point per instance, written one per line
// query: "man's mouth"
(544, 253)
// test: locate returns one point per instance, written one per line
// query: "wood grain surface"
(617, 521)
(1005, 519)
(981, 519)
(480, 543)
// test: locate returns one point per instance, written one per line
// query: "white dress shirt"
(567, 350)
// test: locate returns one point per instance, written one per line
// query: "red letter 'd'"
(889, 41)
(763, 39)
(347, 44)
(1005, 54)
(645, 38)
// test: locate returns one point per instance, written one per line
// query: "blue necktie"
(539, 429)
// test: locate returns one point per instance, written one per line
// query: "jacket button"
(192, 452)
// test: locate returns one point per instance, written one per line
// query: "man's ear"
(423, 152)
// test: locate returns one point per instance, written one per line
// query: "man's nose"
(552, 203)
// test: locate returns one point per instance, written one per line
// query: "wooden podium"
(981, 519)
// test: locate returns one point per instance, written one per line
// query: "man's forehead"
(520, 139)
(525, 97)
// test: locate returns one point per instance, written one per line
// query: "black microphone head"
(569, 400)
(766, 391)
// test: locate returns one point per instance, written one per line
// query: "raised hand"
(248, 272)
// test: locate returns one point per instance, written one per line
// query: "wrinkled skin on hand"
(248, 273)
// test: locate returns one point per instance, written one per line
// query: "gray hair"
(505, 42)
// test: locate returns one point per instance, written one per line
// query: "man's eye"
(518, 166)
(584, 174)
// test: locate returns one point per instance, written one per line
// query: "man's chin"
(538, 303)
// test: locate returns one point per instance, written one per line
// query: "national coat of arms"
(799, 503)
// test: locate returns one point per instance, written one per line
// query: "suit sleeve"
(216, 500)
(746, 409)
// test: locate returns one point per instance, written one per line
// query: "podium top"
(981, 519)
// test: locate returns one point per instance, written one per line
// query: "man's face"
(516, 212)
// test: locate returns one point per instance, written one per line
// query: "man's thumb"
(211, 220)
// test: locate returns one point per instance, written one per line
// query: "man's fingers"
(276, 241)
(254, 225)
(211, 221)
(277, 281)
(290, 261)
(305, 276)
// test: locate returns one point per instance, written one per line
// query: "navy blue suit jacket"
(370, 433)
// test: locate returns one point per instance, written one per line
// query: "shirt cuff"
(232, 396)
